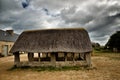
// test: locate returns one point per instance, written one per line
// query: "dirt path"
(107, 68)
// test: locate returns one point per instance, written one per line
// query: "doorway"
(5, 50)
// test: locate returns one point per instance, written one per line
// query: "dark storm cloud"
(101, 18)
(25, 3)
(6, 5)
(105, 22)
(46, 11)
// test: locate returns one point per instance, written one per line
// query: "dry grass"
(107, 68)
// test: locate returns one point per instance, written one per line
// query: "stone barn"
(54, 47)
(7, 39)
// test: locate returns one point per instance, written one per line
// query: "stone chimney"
(11, 32)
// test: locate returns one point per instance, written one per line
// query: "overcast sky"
(100, 18)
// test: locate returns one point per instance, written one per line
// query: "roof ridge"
(55, 29)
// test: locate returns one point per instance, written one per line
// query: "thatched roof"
(53, 40)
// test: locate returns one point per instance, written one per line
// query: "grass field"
(106, 66)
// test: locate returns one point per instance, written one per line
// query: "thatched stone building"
(59, 47)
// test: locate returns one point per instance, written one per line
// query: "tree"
(114, 41)
(95, 45)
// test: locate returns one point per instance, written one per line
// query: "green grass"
(102, 51)
(49, 68)
(110, 55)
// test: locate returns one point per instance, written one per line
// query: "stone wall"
(57, 63)
(71, 60)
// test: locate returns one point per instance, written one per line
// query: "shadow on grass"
(50, 68)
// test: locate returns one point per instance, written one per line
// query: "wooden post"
(79, 56)
(56, 56)
(73, 56)
(65, 56)
(53, 59)
(82, 56)
(30, 57)
(16, 58)
(39, 57)
(88, 58)
(46, 55)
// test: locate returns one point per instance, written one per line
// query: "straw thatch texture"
(53, 40)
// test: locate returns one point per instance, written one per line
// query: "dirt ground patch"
(107, 67)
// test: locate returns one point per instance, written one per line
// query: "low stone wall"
(57, 63)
